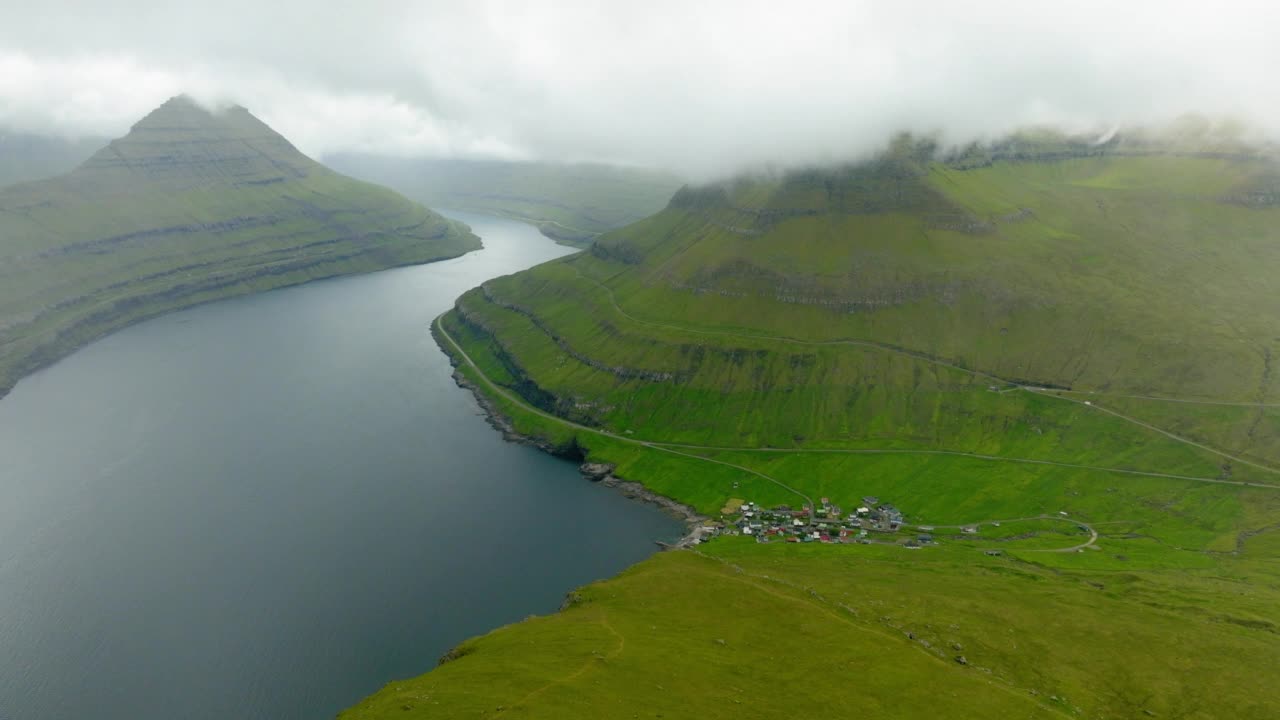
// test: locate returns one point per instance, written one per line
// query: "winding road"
(1093, 534)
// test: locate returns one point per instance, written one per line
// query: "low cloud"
(704, 88)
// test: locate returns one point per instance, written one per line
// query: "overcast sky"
(701, 86)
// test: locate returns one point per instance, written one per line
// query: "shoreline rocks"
(601, 473)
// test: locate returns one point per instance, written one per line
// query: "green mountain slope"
(569, 203)
(1063, 346)
(25, 157)
(190, 206)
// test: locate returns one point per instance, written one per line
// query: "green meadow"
(743, 630)
(1070, 353)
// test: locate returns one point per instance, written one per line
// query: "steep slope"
(25, 156)
(1052, 357)
(901, 287)
(570, 203)
(190, 206)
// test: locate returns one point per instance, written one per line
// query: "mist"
(704, 89)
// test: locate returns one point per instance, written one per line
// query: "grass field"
(1172, 614)
(1078, 349)
(822, 631)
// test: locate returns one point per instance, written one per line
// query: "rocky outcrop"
(694, 522)
(595, 472)
(456, 652)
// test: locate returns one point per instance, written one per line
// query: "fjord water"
(269, 507)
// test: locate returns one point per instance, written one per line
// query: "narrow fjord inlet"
(936, 345)
(271, 506)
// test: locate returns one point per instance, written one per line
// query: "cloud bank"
(702, 87)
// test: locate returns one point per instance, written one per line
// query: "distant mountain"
(190, 206)
(25, 157)
(570, 203)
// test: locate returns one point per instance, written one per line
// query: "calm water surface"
(269, 507)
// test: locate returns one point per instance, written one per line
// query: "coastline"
(85, 332)
(601, 473)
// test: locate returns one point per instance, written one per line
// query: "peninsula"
(192, 205)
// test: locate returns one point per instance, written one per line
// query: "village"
(825, 523)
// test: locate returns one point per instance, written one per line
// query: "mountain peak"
(184, 111)
(183, 143)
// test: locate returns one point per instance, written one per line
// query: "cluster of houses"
(824, 523)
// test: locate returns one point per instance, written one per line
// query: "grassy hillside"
(819, 631)
(25, 157)
(190, 206)
(1065, 348)
(569, 203)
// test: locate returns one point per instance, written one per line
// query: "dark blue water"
(270, 507)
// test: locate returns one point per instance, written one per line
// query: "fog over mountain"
(703, 88)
